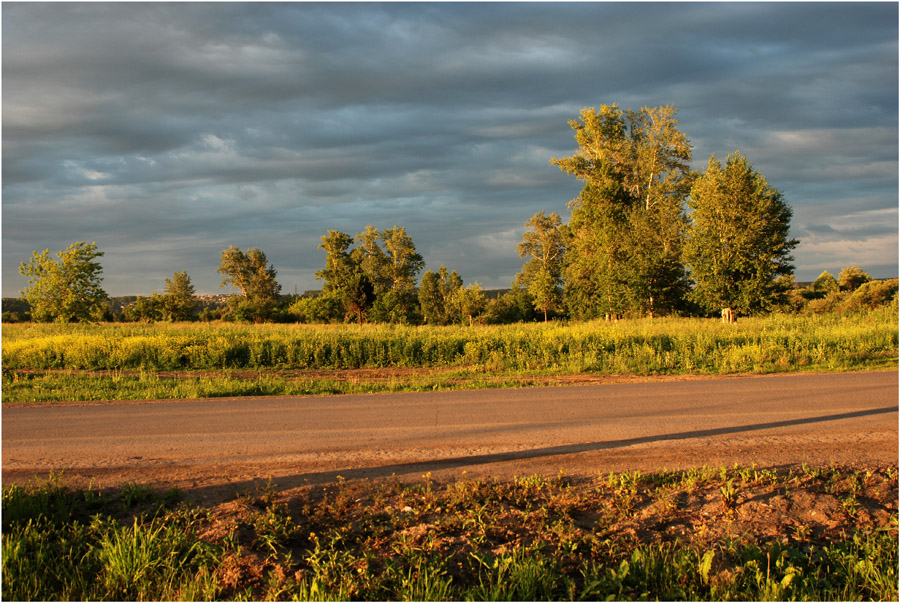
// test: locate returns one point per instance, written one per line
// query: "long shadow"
(292, 481)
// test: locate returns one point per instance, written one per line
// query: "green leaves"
(738, 244)
(542, 273)
(627, 226)
(369, 279)
(250, 274)
(65, 289)
(437, 292)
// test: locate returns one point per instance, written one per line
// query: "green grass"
(667, 535)
(124, 361)
(72, 385)
(81, 545)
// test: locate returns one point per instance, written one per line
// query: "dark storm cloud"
(167, 132)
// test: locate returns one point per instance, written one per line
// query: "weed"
(133, 494)
(729, 495)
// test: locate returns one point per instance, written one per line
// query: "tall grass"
(642, 347)
(62, 544)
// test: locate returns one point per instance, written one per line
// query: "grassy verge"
(90, 362)
(739, 533)
(53, 386)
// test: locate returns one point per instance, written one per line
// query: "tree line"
(647, 236)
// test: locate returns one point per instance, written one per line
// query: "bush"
(322, 309)
(825, 305)
(852, 277)
(871, 295)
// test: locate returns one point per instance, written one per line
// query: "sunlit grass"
(130, 355)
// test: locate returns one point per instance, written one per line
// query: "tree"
(343, 274)
(339, 265)
(403, 261)
(403, 267)
(825, 284)
(250, 274)
(627, 229)
(67, 288)
(593, 271)
(470, 301)
(436, 293)
(179, 298)
(359, 295)
(515, 305)
(738, 246)
(852, 277)
(145, 309)
(542, 273)
(372, 260)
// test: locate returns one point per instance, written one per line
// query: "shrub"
(871, 295)
(852, 277)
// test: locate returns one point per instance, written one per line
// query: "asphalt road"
(213, 446)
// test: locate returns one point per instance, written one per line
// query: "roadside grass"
(69, 385)
(740, 533)
(44, 362)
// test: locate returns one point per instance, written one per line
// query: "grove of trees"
(647, 236)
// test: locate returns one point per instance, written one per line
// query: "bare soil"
(804, 507)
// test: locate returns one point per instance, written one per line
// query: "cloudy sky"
(167, 132)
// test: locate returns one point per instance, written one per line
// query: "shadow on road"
(398, 469)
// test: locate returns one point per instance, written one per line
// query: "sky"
(169, 132)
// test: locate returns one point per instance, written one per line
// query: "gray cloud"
(167, 132)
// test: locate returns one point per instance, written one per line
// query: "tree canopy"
(738, 246)
(436, 296)
(626, 233)
(542, 273)
(179, 297)
(252, 275)
(66, 288)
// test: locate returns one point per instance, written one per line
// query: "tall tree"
(179, 297)
(67, 288)
(470, 302)
(738, 246)
(626, 234)
(372, 259)
(542, 273)
(436, 294)
(404, 265)
(339, 265)
(593, 271)
(358, 296)
(252, 275)
(344, 277)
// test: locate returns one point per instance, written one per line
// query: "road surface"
(212, 447)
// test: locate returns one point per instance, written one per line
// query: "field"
(794, 532)
(196, 360)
